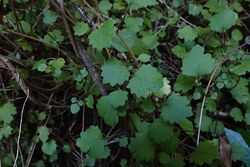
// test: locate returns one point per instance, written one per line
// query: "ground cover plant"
(124, 83)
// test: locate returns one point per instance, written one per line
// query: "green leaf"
(179, 51)
(164, 158)
(90, 101)
(142, 147)
(144, 58)
(165, 90)
(194, 9)
(5, 131)
(241, 69)
(247, 118)
(42, 67)
(25, 26)
(205, 152)
(223, 20)
(196, 63)
(127, 36)
(236, 35)
(7, 111)
(123, 142)
(92, 142)
(134, 24)
(240, 91)
(49, 147)
(54, 38)
(184, 83)
(148, 106)
(49, 16)
(187, 126)
(150, 40)
(43, 133)
(135, 4)
(107, 111)
(74, 108)
(80, 28)
(236, 114)
(104, 6)
(102, 37)
(160, 131)
(114, 72)
(118, 98)
(187, 33)
(142, 85)
(176, 109)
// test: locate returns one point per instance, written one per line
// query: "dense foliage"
(124, 83)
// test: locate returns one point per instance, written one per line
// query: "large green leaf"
(114, 72)
(240, 92)
(196, 63)
(176, 109)
(205, 152)
(102, 37)
(223, 20)
(92, 142)
(142, 147)
(145, 81)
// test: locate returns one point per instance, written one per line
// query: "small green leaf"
(5, 131)
(102, 37)
(176, 109)
(236, 35)
(148, 106)
(184, 83)
(74, 108)
(142, 85)
(49, 16)
(205, 152)
(42, 67)
(144, 58)
(236, 114)
(114, 72)
(80, 28)
(179, 51)
(73, 100)
(123, 142)
(90, 101)
(49, 147)
(194, 9)
(196, 63)
(165, 90)
(7, 111)
(187, 33)
(104, 6)
(25, 26)
(54, 38)
(43, 133)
